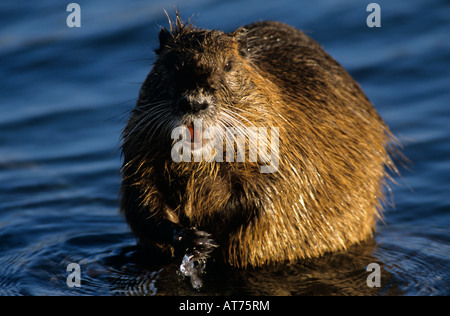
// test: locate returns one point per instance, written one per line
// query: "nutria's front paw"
(193, 242)
(195, 246)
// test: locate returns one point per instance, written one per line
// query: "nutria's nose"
(192, 106)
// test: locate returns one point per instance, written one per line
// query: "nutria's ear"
(164, 36)
(241, 37)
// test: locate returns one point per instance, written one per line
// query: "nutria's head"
(198, 75)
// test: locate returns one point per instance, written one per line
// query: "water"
(65, 95)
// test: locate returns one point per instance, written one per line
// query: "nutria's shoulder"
(276, 42)
(271, 29)
(290, 58)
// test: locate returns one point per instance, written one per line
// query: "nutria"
(326, 193)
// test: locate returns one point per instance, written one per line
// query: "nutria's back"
(325, 191)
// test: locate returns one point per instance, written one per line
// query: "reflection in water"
(341, 273)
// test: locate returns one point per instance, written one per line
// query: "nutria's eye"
(227, 66)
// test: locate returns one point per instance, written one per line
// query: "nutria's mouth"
(199, 137)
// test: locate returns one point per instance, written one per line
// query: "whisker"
(146, 116)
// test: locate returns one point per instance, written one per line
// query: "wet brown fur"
(334, 148)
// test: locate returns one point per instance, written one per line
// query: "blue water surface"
(65, 96)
